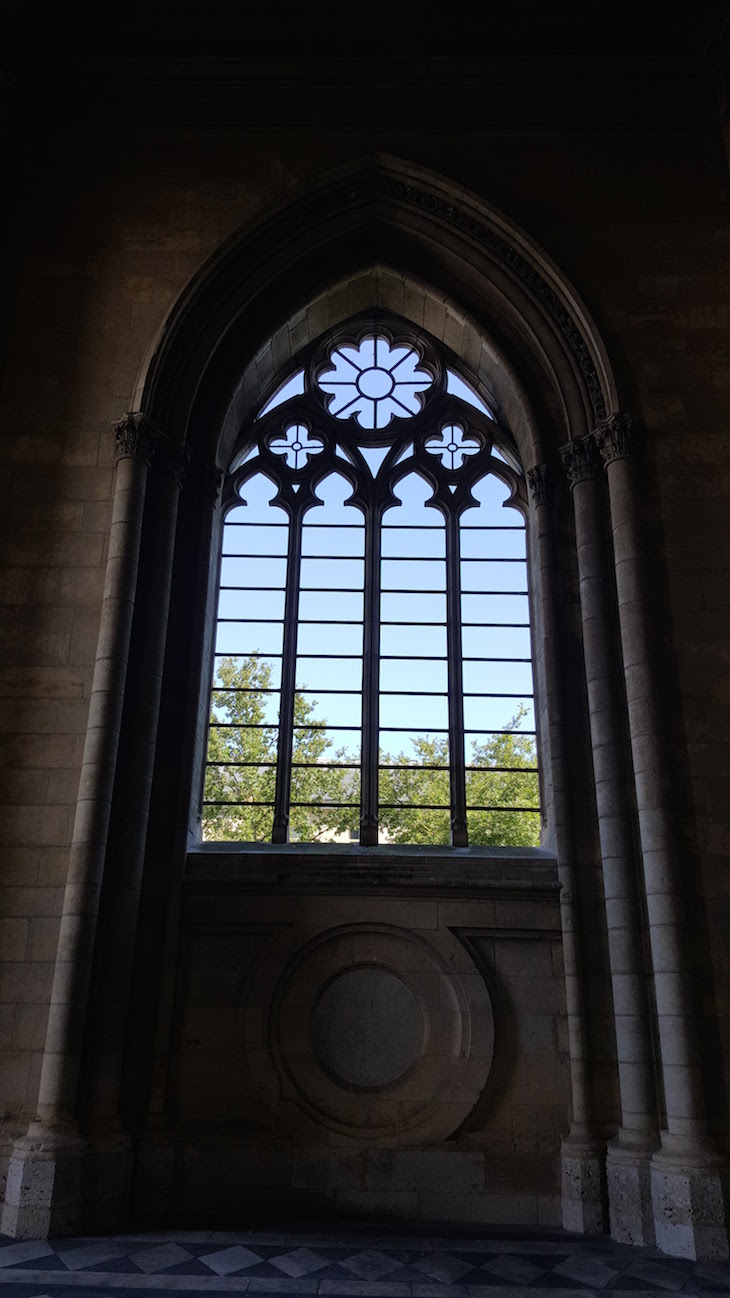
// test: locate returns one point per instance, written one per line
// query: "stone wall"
(128, 183)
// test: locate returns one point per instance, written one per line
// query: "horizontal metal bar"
(484, 731)
(254, 653)
(416, 730)
(246, 725)
(405, 766)
(387, 622)
(414, 806)
(522, 694)
(504, 808)
(231, 554)
(246, 689)
(252, 803)
(322, 806)
(320, 725)
(270, 590)
(493, 592)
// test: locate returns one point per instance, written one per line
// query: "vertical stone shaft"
(138, 757)
(582, 1158)
(680, 1056)
(69, 996)
(605, 706)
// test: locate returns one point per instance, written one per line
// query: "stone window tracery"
(373, 670)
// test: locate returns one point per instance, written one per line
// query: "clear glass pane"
(499, 714)
(496, 642)
(417, 542)
(413, 674)
(492, 510)
(329, 673)
(494, 576)
(246, 707)
(314, 742)
(503, 828)
(269, 669)
(329, 637)
(414, 826)
(419, 711)
(244, 824)
(500, 748)
(412, 574)
(503, 544)
(490, 609)
(324, 825)
(331, 709)
(249, 637)
(323, 784)
(409, 785)
(255, 540)
(321, 605)
(497, 678)
(333, 541)
(421, 641)
(502, 789)
(413, 608)
(417, 747)
(329, 574)
(256, 496)
(262, 573)
(251, 604)
(334, 491)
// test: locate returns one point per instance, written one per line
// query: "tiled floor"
(354, 1262)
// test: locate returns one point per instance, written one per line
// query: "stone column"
(629, 1155)
(49, 1171)
(582, 1157)
(687, 1175)
(109, 1022)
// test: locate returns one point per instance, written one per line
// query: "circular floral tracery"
(374, 381)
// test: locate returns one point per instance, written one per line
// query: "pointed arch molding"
(387, 212)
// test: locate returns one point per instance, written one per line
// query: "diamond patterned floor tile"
(159, 1259)
(301, 1261)
(227, 1260)
(25, 1251)
(519, 1270)
(90, 1255)
(370, 1265)
(444, 1267)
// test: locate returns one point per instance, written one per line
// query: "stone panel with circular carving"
(372, 1031)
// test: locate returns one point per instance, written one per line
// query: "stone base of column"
(691, 1200)
(584, 1202)
(60, 1184)
(628, 1180)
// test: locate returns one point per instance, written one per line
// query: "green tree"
(246, 736)
(409, 783)
(416, 787)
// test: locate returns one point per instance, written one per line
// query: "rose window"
(374, 382)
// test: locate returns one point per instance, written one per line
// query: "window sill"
(294, 866)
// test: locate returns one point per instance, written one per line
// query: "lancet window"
(373, 673)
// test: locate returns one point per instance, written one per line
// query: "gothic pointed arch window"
(373, 666)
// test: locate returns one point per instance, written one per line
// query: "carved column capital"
(137, 436)
(537, 482)
(617, 438)
(580, 460)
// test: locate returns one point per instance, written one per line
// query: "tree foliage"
(244, 729)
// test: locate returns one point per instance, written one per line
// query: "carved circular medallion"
(367, 1027)
(372, 1031)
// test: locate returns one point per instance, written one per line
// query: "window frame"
(438, 408)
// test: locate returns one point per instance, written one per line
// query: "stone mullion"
(687, 1178)
(631, 1218)
(41, 1198)
(582, 1151)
